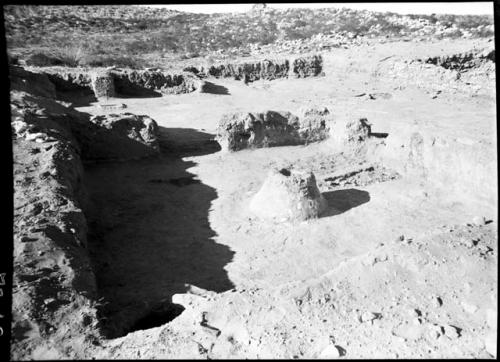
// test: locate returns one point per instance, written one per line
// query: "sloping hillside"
(105, 35)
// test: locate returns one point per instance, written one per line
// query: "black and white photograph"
(250, 181)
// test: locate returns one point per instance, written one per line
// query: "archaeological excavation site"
(273, 183)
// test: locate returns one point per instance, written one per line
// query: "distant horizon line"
(406, 8)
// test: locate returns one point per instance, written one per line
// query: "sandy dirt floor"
(394, 268)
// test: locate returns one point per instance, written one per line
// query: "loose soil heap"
(237, 131)
(128, 82)
(289, 195)
(301, 67)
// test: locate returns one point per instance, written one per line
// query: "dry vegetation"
(114, 35)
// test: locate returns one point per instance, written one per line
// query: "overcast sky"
(464, 8)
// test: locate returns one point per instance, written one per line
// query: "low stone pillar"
(103, 84)
(289, 195)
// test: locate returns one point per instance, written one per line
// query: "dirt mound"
(471, 73)
(54, 286)
(140, 82)
(289, 195)
(462, 61)
(265, 69)
(126, 82)
(307, 66)
(130, 135)
(237, 131)
(444, 162)
(67, 79)
(351, 135)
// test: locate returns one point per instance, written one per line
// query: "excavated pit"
(149, 235)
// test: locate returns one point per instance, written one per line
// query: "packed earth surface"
(135, 236)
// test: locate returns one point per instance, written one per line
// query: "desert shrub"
(129, 30)
(13, 59)
(142, 25)
(40, 59)
(70, 55)
(108, 61)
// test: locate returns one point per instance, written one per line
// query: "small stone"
(369, 260)
(437, 301)
(469, 244)
(491, 318)
(49, 301)
(479, 220)
(331, 351)
(434, 332)
(368, 316)
(490, 343)
(469, 308)
(467, 287)
(451, 332)
(414, 313)
(34, 136)
(401, 238)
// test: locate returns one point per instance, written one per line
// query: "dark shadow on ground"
(340, 201)
(146, 93)
(185, 142)
(379, 134)
(124, 88)
(79, 95)
(149, 234)
(212, 88)
(77, 98)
